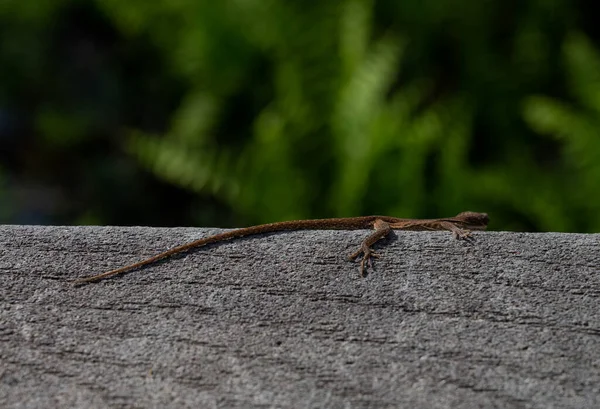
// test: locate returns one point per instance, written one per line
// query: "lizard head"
(474, 220)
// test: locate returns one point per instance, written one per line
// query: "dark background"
(230, 113)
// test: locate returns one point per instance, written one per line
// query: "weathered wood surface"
(284, 320)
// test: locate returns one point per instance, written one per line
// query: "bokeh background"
(238, 112)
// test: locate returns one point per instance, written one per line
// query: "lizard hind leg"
(382, 229)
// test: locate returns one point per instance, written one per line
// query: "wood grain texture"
(284, 320)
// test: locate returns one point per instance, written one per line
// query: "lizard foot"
(461, 234)
(366, 260)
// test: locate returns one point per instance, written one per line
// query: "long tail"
(359, 222)
(180, 249)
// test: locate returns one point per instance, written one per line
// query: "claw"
(465, 235)
(382, 229)
(368, 256)
(462, 234)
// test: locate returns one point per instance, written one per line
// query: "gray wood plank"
(284, 320)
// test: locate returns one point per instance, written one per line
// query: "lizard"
(460, 226)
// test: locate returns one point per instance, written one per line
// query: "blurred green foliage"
(246, 111)
(576, 126)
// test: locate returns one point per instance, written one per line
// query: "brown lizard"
(460, 225)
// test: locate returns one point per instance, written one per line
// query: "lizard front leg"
(457, 232)
(382, 229)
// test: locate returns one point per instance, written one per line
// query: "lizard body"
(460, 225)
